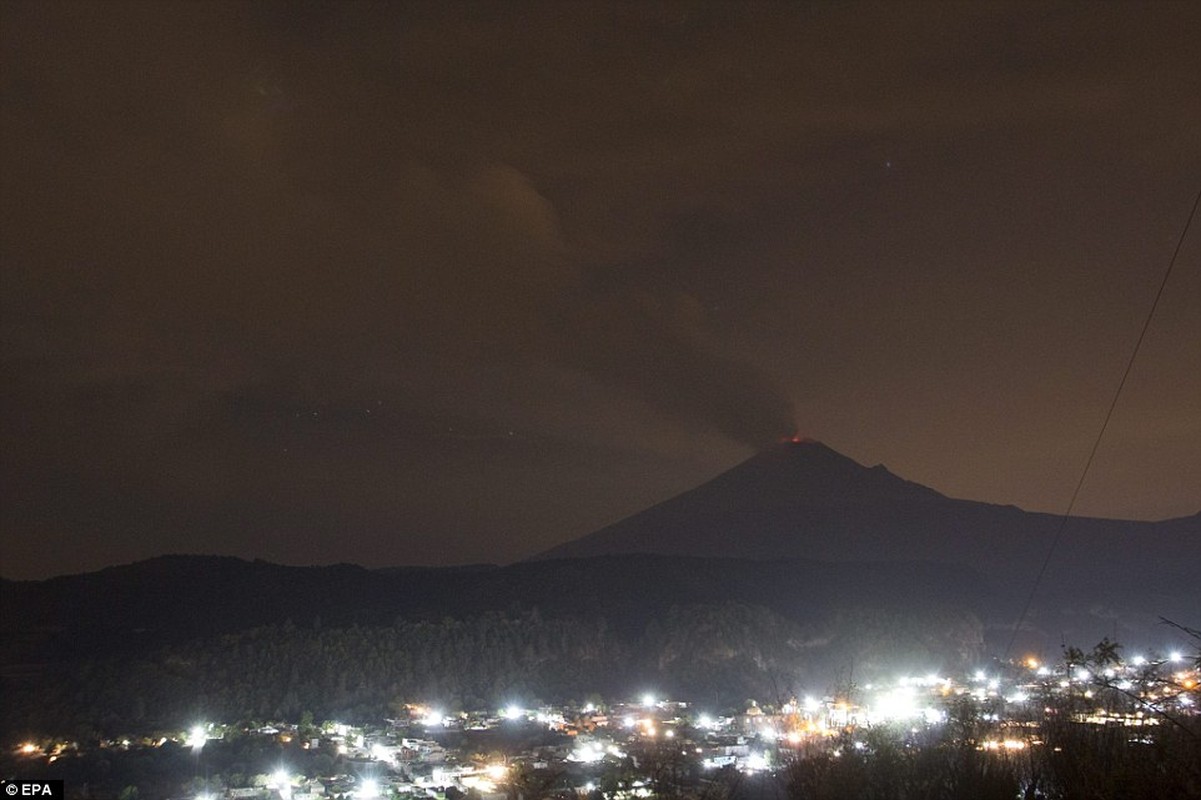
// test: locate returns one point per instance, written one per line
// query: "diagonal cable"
(1063, 521)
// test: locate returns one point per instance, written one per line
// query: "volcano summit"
(802, 500)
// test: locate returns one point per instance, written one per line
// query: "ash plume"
(655, 348)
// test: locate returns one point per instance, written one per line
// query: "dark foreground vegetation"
(1073, 762)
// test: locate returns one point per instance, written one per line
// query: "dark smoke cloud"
(655, 348)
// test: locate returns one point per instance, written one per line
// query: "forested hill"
(155, 642)
(174, 599)
(721, 653)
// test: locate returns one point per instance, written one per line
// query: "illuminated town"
(654, 746)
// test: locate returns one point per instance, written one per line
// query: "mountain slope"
(804, 500)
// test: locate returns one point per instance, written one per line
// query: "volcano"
(802, 500)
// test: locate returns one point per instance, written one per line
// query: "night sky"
(447, 283)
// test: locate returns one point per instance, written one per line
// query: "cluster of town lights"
(649, 721)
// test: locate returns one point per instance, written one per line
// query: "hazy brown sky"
(436, 283)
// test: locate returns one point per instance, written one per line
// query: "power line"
(1063, 521)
